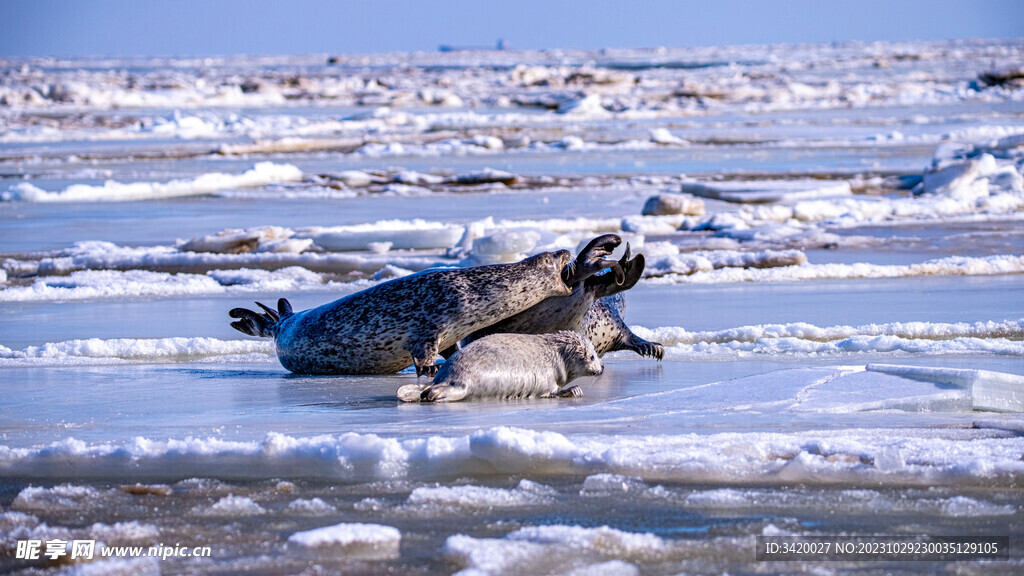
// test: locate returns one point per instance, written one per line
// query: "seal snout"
(564, 263)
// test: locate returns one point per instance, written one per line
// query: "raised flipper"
(591, 260)
(604, 285)
(257, 324)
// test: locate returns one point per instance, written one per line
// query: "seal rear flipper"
(284, 308)
(253, 323)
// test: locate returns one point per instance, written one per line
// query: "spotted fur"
(404, 321)
(511, 366)
(604, 326)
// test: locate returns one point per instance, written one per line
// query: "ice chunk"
(605, 484)
(417, 178)
(997, 391)
(665, 204)
(65, 496)
(239, 241)
(401, 234)
(754, 192)
(663, 136)
(972, 179)
(526, 494)
(504, 246)
(705, 261)
(312, 507)
(871, 390)
(364, 541)
(587, 105)
(485, 176)
(231, 506)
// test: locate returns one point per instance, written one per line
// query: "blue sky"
(210, 27)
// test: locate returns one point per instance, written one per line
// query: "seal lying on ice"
(594, 308)
(511, 366)
(404, 321)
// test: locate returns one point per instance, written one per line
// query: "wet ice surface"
(839, 300)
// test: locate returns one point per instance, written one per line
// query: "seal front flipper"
(424, 357)
(412, 392)
(256, 324)
(644, 348)
(570, 392)
(444, 393)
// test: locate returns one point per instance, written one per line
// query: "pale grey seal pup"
(511, 366)
(404, 321)
(585, 310)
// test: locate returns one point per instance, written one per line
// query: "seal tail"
(263, 325)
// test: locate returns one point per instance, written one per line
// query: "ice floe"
(261, 174)
(353, 540)
(950, 456)
(526, 493)
(106, 351)
(751, 192)
(949, 266)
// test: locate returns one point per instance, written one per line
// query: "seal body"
(511, 366)
(404, 321)
(604, 326)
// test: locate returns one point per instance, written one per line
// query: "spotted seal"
(604, 326)
(511, 366)
(404, 321)
(594, 308)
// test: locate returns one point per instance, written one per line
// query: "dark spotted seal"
(384, 329)
(604, 326)
(511, 366)
(585, 310)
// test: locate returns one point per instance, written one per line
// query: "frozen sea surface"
(838, 290)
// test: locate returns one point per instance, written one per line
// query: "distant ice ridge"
(805, 340)
(306, 272)
(117, 350)
(878, 456)
(920, 338)
(104, 284)
(671, 336)
(949, 266)
(261, 174)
